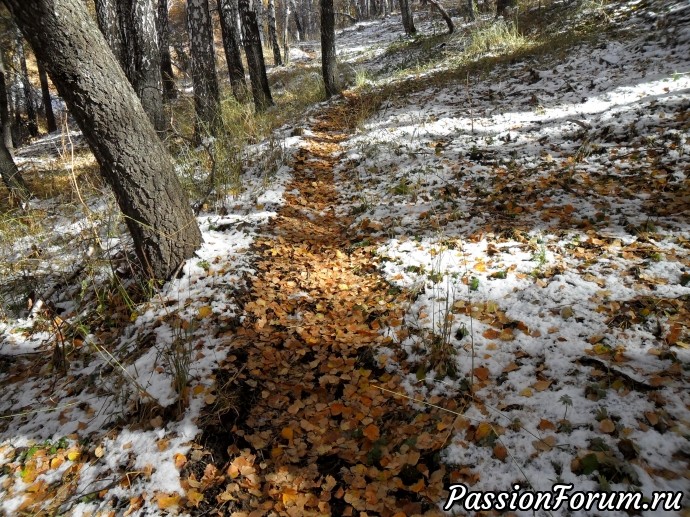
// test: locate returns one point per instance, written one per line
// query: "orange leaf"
(288, 433)
(481, 373)
(491, 334)
(483, 430)
(371, 432)
(607, 426)
(541, 385)
(166, 501)
(500, 452)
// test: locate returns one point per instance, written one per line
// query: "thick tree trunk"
(11, 177)
(408, 21)
(47, 101)
(255, 58)
(273, 33)
(204, 78)
(131, 156)
(32, 118)
(444, 14)
(108, 17)
(227, 10)
(5, 120)
(163, 28)
(328, 62)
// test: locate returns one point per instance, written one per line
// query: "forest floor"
(470, 274)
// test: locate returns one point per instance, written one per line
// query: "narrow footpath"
(301, 425)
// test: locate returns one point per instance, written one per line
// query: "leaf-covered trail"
(306, 428)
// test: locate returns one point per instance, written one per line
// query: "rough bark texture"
(273, 33)
(143, 56)
(11, 177)
(108, 17)
(169, 89)
(408, 21)
(32, 118)
(132, 158)
(5, 121)
(328, 62)
(204, 79)
(298, 23)
(47, 101)
(231, 44)
(470, 10)
(286, 32)
(444, 14)
(255, 58)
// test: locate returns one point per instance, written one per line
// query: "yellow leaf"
(527, 392)
(483, 430)
(194, 497)
(56, 462)
(166, 502)
(73, 455)
(180, 460)
(205, 311)
(198, 389)
(607, 426)
(287, 432)
(99, 452)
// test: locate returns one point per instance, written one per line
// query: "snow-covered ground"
(540, 219)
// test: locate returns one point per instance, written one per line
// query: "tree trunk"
(470, 10)
(298, 23)
(143, 65)
(273, 33)
(11, 177)
(286, 32)
(258, 6)
(444, 15)
(328, 62)
(204, 78)
(255, 58)
(408, 21)
(132, 158)
(163, 29)
(47, 101)
(5, 120)
(32, 118)
(227, 10)
(108, 17)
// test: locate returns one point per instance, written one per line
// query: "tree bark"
(143, 65)
(227, 10)
(407, 19)
(328, 58)
(11, 177)
(298, 23)
(108, 17)
(286, 32)
(204, 78)
(131, 156)
(5, 120)
(261, 91)
(444, 14)
(47, 101)
(163, 28)
(32, 118)
(273, 33)
(471, 15)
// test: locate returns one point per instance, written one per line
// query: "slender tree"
(32, 118)
(407, 19)
(131, 156)
(11, 177)
(142, 55)
(204, 79)
(47, 101)
(108, 17)
(328, 61)
(286, 33)
(470, 10)
(228, 25)
(163, 28)
(444, 14)
(273, 33)
(261, 91)
(5, 119)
